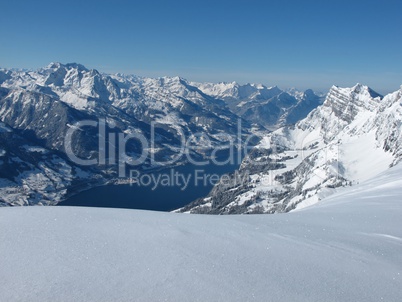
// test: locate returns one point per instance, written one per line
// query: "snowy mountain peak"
(365, 90)
(176, 80)
(235, 92)
(57, 65)
(347, 102)
(53, 65)
(358, 89)
(308, 93)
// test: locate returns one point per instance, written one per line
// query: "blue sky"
(305, 44)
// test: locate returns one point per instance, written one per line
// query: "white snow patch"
(35, 149)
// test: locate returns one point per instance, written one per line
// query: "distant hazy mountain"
(266, 106)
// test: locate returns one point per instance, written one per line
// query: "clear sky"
(301, 43)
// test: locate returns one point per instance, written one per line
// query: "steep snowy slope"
(353, 136)
(346, 248)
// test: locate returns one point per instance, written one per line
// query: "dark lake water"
(166, 196)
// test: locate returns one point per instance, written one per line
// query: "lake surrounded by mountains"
(164, 190)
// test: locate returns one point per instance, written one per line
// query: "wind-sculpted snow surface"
(353, 136)
(346, 248)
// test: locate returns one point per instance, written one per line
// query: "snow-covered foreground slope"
(346, 248)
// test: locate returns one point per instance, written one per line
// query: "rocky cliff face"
(353, 136)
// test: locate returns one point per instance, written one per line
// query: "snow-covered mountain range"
(267, 106)
(355, 135)
(39, 108)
